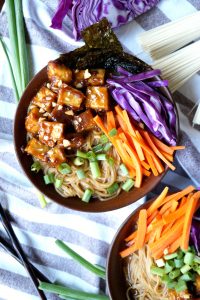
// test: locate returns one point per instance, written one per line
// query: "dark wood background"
(1, 3)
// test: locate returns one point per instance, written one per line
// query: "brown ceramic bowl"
(123, 199)
(116, 281)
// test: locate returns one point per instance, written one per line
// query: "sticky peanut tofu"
(56, 156)
(32, 121)
(70, 97)
(50, 132)
(97, 98)
(57, 72)
(95, 77)
(60, 114)
(44, 99)
(37, 149)
(84, 121)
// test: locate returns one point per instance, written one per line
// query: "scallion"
(80, 174)
(111, 161)
(180, 286)
(188, 258)
(197, 259)
(171, 284)
(170, 256)
(123, 170)
(188, 277)
(103, 139)
(42, 200)
(113, 188)
(78, 161)
(101, 156)
(36, 167)
(64, 168)
(95, 170)
(107, 147)
(81, 154)
(128, 185)
(58, 183)
(174, 274)
(169, 266)
(112, 132)
(87, 195)
(185, 269)
(97, 148)
(49, 178)
(91, 156)
(157, 271)
(178, 263)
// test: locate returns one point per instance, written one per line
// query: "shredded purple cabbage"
(83, 13)
(144, 102)
(195, 232)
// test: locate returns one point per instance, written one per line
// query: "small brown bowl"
(123, 199)
(116, 281)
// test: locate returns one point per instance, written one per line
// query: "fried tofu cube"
(97, 97)
(50, 132)
(56, 156)
(84, 121)
(44, 99)
(32, 121)
(60, 114)
(73, 141)
(37, 149)
(70, 97)
(95, 77)
(57, 72)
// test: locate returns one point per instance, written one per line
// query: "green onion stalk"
(18, 62)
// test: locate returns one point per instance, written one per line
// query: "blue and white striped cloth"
(88, 234)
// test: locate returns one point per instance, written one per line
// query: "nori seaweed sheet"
(102, 50)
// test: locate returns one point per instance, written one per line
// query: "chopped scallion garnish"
(97, 148)
(80, 174)
(111, 161)
(103, 139)
(128, 185)
(49, 178)
(91, 156)
(124, 170)
(112, 132)
(181, 286)
(81, 154)
(101, 156)
(107, 147)
(58, 183)
(78, 161)
(113, 188)
(64, 168)
(95, 170)
(36, 167)
(87, 195)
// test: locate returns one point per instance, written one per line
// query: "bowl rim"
(99, 206)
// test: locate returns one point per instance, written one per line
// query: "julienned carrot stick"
(119, 110)
(174, 206)
(177, 147)
(191, 206)
(142, 228)
(165, 207)
(175, 215)
(110, 120)
(162, 146)
(174, 246)
(128, 251)
(151, 163)
(158, 202)
(155, 149)
(167, 156)
(152, 216)
(179, 195)
(145, 165)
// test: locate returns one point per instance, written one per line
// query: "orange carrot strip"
(177, 147)
(122, 123)
(119, 110)
(137, 165)
(152, 216)
(145, 165)
(161, 145)
(158, 202)
(146, 172)
(131, 236)
(100, 124)
(183, 201)
(174, 246)
(168, 238)
(167, 156)
(165, 207)
(128, 251)
(110, 120)
(155, 149)
(174, 206)
(151, 163)
(175, 215)
(190, 209)
(167, 227)
(142, 228)
(179, 195)
(158, 232)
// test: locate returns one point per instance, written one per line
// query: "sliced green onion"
(104, 139)
(112, 132)
(188, 258)
(171, 284)
(78, 161)
(169, 266)
(95, 170)
(113, 188)
(87, 195)
(107, 147)
(101, 156)
(91, 156)
(49, 178)
(111, 161)
(65, 292)
(97, 148)
(188, 277)
(124, 170)
(157, 271)
(128, 185)
(178, 263)
(80, 174)
(58, 183)
(185, 269)
(174, 274)
(165, 278)
(180, 254)
(42, 200)
(64, 168)
(170, 256)
(197, 259)
(36, 167)
(98, 270)
(81, 154)
(181, 286)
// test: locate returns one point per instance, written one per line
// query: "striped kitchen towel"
(88, 234)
